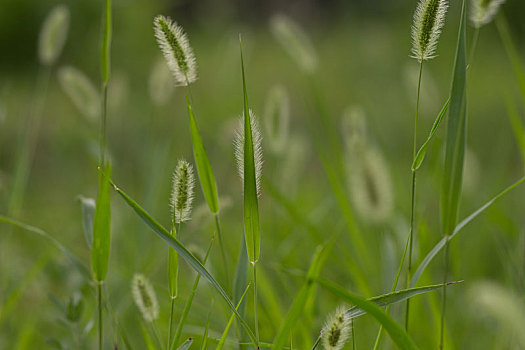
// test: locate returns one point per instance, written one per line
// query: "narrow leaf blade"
(101, 230)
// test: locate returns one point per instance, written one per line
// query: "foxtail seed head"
(53, 35)
(295, 41)
(483, 11)
(182, 193)
(429, 19)
(77, 86)
(336, 330)
(176, 49)
(238, 144)
(145, 297)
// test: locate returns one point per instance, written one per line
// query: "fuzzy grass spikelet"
(429, 19)
(176, 49)
(483, 11)
(145, 297)
(77, 86)
(295, 41)
(336, 330)
(53, 35)
(182, 193)
(238, 144)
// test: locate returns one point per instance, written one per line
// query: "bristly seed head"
(238, 144)
(145, 297)
(336, 330)
(176, 49)
(182, 193)
(483, 11)
(429, 19)
(53, 34)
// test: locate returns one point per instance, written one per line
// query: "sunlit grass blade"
(183, 252)
(437, 248)
(72, 257)
(220, 345)
(186, 345)
(299, 303)
(187, 306)
(204, 170)
(397, 333)
(251, 205)
(101, 229)
(420, 156)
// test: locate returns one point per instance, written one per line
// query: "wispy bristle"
(145, 297)
(483, 11)
(77, 86)
(295, 41)
(277, 118)
(182, 193)
(53, 34)
(176, 49)
(336, 330)
(257, 149)
(429, 19)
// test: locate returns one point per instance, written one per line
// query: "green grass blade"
(204, 345)
(397, 333)
(106, 43)
(204, 170)
(456, 135)
(187, 306)
(299, 303)
(251, 205)
(147, 339)
(230, 321)
(240, 281)
(395, 297)
(173, 268)
(102, 229)
(72, 257)
(437, 248)
(186, 345)
(420, 156)
(88, 215)
(183, 252)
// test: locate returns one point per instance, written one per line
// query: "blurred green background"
(363, 49)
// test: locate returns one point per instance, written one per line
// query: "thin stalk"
(255, 316)
(413, 204)
(172, 307)
(99, 308)
(156, 332)
(103, 125)
(444, 296)
(223, 252)
(353, 337)
(175, 233)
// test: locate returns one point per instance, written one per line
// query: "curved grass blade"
(183, 252)
(204, 170)
(301, 298)
(72, 257)
(437, 248)
(251, 205)
(186, 345)
(230, 321)
(397, 333)
(102, 229)
(420, 156)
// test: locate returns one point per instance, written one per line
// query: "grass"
(302, 244)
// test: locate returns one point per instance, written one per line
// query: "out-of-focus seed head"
(145, 297)
(53, 35)
(483, 11)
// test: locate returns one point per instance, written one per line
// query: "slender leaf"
(205, 335)
(230, 321)
(106, 43)
(240, 281)
(420, 156)
(183, 252)
(251, 205)
(397, 333)
(204, 170)
(456, 135)
(72, 257)
(299, 303)
(186, 345)
(437, 248)
(101, 229)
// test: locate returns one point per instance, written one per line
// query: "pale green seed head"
(144, 297)
(483, 11)
(77, 86)
(429, 19)
(53, 35)
(238, 144)
(182, 193)
(336, 330)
